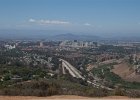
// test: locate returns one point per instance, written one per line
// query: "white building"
(10, 46)
(41, 44)
(77, 44)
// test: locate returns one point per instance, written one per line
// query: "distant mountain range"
(58, 35)
(43, 34)
(70, 36)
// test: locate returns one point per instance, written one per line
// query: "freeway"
(76, 73)
(69, 69)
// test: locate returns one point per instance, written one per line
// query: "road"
(76, 73)
(72, 70)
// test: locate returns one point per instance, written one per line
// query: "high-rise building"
(41, 44)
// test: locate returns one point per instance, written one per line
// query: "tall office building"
(41, 44)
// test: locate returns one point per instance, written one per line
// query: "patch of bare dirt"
(126, 72)
(61, 97)
(116, 97)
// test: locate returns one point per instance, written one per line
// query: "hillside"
(126, 73)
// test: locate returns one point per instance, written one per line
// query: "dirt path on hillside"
(64, 97)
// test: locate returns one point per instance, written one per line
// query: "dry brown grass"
(125, 72)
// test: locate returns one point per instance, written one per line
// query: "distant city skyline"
(97, 17)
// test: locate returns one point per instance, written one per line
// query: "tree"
(131, 59)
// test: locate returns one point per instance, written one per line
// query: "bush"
(52, 91)
(119, 92)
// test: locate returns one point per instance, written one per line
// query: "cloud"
(87, 24)
(32, 20)
(47, 22)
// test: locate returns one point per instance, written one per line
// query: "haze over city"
(106, 18)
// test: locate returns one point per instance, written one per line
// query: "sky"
(101, 17)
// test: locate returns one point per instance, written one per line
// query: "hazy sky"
(91, 16)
